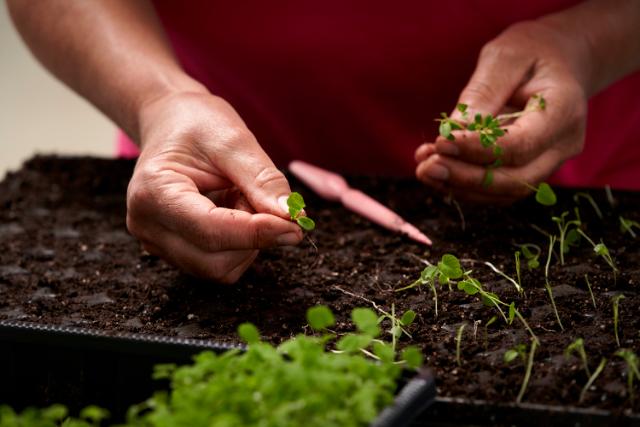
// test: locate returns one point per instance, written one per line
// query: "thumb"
(499, 72)
(252, 171)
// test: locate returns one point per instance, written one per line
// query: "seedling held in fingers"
(296, 204)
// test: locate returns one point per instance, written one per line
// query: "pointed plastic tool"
(332, 186)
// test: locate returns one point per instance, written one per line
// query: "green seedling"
(458, 343)
(593, 299)
(520, 351)
(53, 416)
(547, 285)
(516, 256)
(447, 269)
(627, 225)
(398, 324)
(601, 250)
(616, 307)
(588, 198)
(296, 204)
(632, 368)
(489, 130)
(531, 253)
(506, 276)
(566, 237)
(592, 379)
(578, 347)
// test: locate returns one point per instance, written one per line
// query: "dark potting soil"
(67, 259)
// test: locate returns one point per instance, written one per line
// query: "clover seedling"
(552, 241)
(627, 225)
(592, 378)
(601, 250)
(458, 342)
(578, 347)
(296, 204)
(632, 367)
(616, 302)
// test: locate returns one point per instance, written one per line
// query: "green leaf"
(366, 321)
(353, 342)
(512, 312)
(408, 317)
(445, 129)
(384, 351)
(449, 266)
(95, 414)
(468, 287)
(54, 412)
(295, 202)
(488, 178)
(429, 273)
(545, 195)
(412, 356)
(306, 223)
(320, 317)
(510, 355)
(462, 107)
(249, 333)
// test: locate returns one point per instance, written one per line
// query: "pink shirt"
(354, 86)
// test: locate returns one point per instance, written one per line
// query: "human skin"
(566, 57)
(203, 195)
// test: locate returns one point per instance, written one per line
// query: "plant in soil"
(601, 250)
(547, 285)
(531, 253)
(296, 204)
(631, 360)
(616, 307)
(521, 351)
(627, 226)
(567, 237)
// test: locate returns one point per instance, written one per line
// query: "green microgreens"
(520, 351)
(601, 250)
(615, 301)
(592, 379)
(547, 285)
(489, 130)
(627, 225)
(593, 299)
(458, 343)
(53, 416)
(296, 204)
(578, 347)
(531, 253)
(632, 368)
(566, 237)
(588, 198)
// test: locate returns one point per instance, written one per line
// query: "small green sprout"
(531, 253)
(578, 347)
(552, 241)
(516, 256)
(592, 379)
(627, 225)
(588, 198)
(296, 204)
(520, 351)
(458, 343)
(616, 302)
(506, 276)
(566, 237)
(593, 299)
(601, 250)
(632, 368)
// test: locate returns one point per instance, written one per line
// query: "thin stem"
(593, 300)
(592, 379)
(501, 273)
(458, 342)
(552, 241)
(526, 325)
(527, 374)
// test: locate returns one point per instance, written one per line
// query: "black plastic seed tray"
(41, 364)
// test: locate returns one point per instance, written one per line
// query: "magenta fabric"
(354, 86)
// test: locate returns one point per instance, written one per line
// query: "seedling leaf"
(545, 195)
(320, 317)
(408, 317)
(249, 333)
(306, 223)
(412, 357)
(366, 321)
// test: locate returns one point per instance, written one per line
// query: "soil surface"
(67, 259)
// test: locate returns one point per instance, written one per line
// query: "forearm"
(114, 53)
(608, 33)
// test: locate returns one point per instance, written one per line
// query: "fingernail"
(288, 239)
(438, 172)
(448, 149)
(282, 202)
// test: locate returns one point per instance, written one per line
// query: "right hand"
(204, 195)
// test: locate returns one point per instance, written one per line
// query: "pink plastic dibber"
(332, 186)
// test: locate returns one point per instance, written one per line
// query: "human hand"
(204, 195)
(528, 58)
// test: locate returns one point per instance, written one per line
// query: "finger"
(500, 70)
(247, 165)
(223, 267)
(181, 209)
(508, 182)
(424, 151)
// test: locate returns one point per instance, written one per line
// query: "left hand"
(528, 58)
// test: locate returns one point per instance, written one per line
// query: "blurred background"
(37, 113)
